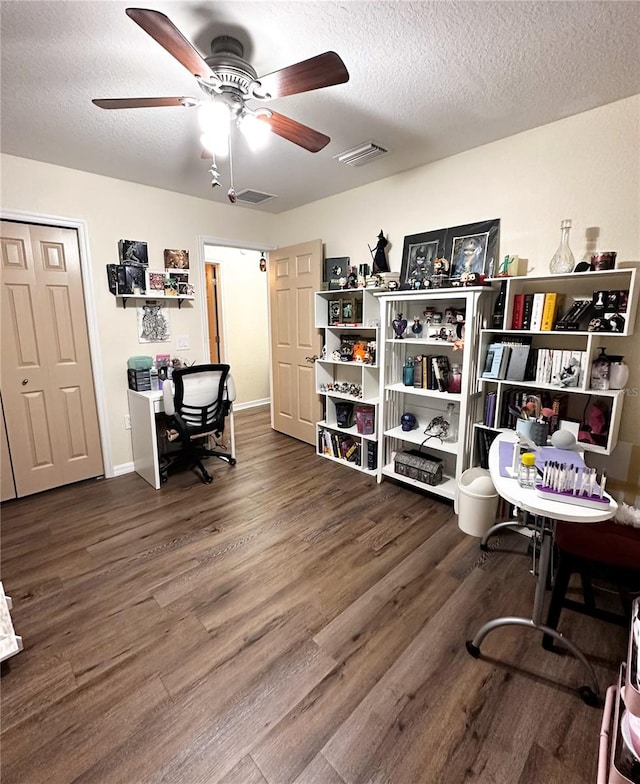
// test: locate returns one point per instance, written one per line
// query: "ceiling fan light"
(255, 131)
(214, 117)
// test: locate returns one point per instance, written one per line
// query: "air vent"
(254, 197)
(362, 154)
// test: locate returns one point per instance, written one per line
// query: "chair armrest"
(167, 396)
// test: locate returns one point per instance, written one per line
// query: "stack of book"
(339, 445)
(535, 312)
(559, 367)
(431, 372)
(507, 360)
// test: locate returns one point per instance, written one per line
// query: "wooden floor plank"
(292, 623)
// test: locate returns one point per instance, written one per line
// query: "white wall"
(245, 294)
(115, 210)
(585, 167)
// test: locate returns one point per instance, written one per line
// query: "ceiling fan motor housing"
(234, 74)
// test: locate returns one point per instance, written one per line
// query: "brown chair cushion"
(608, 543)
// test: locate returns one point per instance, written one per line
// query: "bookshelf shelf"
(427, 403)
(555, 349)
(360, 380)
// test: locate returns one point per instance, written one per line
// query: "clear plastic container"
(527, 472)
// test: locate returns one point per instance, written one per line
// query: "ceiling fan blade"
(136, 103)
(324, 70)
(162, 29)
(296, 132)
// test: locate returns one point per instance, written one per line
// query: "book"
(440, 365)
(492, 360)
(551, 303)
(490, 408)
(518, 311)
(526, 312)
(537, 309)
(519, 355)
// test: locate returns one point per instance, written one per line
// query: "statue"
(399, 325)
(380, 263)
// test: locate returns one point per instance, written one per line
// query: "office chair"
(199, 399)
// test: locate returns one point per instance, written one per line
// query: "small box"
(139, 363)
(140, 380)
(420, 466)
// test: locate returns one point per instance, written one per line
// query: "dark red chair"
(605, 552)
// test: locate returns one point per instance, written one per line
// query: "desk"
(143, 407)
(547, 512)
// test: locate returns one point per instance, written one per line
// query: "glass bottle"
(407, 372)
(498, 309)
(452, 430)
(455, 379)
(563, 261)
(527, 472)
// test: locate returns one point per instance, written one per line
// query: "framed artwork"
(473, 249)
(135, 278)
(133, 252)
(418, 256)
(335, 312)
(348, 308)
(334, 269)
(155, 281)
(176, 259)
(153, 323)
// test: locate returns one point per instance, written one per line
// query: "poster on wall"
(153, 323)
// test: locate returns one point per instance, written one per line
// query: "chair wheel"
(484, 547)
(472, 649)
(207, 479)
(232, 461)
(589, 697)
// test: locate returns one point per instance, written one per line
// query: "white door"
(295, 273)
(47, 381)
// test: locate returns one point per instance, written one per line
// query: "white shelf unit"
(10, 642)
(330, 371)
(574, 286)
(425, 404)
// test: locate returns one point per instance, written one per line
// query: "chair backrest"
(201, 398)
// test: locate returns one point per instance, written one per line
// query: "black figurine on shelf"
(380, 263)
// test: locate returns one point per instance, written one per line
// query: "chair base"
(193, 460)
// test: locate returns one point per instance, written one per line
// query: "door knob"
(25, 381)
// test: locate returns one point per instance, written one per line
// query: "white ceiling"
(427, 79)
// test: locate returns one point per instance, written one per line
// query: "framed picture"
(133, 252)
(348, 308)
(335, 312)
(155, 282)
(473, 249)
(176, 259)
(418, 256)
(334, 269)
(135, 279)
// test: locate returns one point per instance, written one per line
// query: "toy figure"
(380, 263)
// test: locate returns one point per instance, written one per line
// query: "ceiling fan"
(228, 81)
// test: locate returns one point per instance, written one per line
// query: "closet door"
(47, 382)
(7, 487)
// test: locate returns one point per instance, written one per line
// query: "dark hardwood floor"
(292, 623)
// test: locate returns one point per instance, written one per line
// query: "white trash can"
(476, 502)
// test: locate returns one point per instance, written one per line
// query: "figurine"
(380, 263)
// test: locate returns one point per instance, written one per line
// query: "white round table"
(547, 512)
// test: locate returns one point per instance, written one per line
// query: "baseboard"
(122, 469)
(251, 404)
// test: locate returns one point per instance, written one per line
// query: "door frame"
(82, 228)
(224, 242)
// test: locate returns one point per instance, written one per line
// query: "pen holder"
(538, 432)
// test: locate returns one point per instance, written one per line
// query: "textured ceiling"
(428, 80)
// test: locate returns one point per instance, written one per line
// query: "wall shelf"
(156, 297)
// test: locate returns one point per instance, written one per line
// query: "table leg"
(589, 693)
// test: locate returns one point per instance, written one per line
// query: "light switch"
(182, 342)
